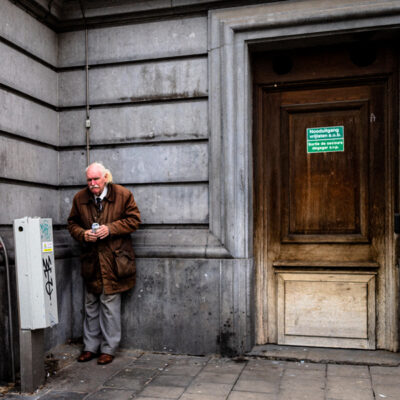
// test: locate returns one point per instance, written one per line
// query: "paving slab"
(171, 380)
(63, 396)
(308, 395)
(220, 389)
(169, 392)
(348, 370)
(304, 373)
(385, 371)
(114, 394)
(252, 396)
(257, 386)
(385, 391)
(342, 388)
(196, 396)
(192, 370)
(216, 377)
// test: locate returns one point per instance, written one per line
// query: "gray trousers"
(102, 324)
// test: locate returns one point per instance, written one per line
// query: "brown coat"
(107, 263)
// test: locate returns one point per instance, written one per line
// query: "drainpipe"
(87, 99)
(10, 319)
(87, 122)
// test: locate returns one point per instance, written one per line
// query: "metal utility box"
(34, 256)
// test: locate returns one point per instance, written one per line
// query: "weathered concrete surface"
(138, 123)
(25, 118)
(34, 37)
(30, 201)
(151, 40)
(177, 162)
(171, 204)
(191, 292)
(27, 75)
(40, 167)
(144, 375)
(126, 83)
(69, 303)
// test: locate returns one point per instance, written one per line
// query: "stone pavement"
(151, 376)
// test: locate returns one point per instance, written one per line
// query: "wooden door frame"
(232, 34)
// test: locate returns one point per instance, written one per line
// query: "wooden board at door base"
(326, 309)
(323, 218)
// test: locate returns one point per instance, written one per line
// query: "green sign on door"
(325, 139)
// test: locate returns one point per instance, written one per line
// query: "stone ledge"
(326, 355)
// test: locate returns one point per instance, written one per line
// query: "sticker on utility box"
(47, 247)
(325, 139)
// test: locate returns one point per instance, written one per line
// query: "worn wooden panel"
(326, 309)
(326, 191)
(330, 308)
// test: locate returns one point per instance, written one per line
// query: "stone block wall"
(148, 97)
(28, 138)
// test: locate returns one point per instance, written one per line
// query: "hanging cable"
(87, 101)
(87, 122)
(10, 319)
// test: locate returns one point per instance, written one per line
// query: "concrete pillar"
(31, 359)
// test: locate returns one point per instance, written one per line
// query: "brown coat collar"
(87, 196)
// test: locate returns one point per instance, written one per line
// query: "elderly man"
(102, 217)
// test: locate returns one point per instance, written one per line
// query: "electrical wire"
(87, 122)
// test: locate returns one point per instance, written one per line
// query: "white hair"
(103, 170)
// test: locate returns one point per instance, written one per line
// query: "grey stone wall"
(148, 111)
(148, 97)
(192, 306)
(28, 139)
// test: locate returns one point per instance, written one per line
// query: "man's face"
(95, 180)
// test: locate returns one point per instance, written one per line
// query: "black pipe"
(10, 319)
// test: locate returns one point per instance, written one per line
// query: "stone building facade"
(179, 95)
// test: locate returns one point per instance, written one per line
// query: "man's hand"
(102, 232)
(90, 236)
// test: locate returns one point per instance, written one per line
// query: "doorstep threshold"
(326, 355)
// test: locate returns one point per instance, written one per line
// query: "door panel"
(335, 310)
(324, 193)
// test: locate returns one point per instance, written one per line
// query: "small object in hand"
(95, 226)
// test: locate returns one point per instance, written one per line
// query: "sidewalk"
(150, 376)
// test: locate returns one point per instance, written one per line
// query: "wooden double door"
(324, 197)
